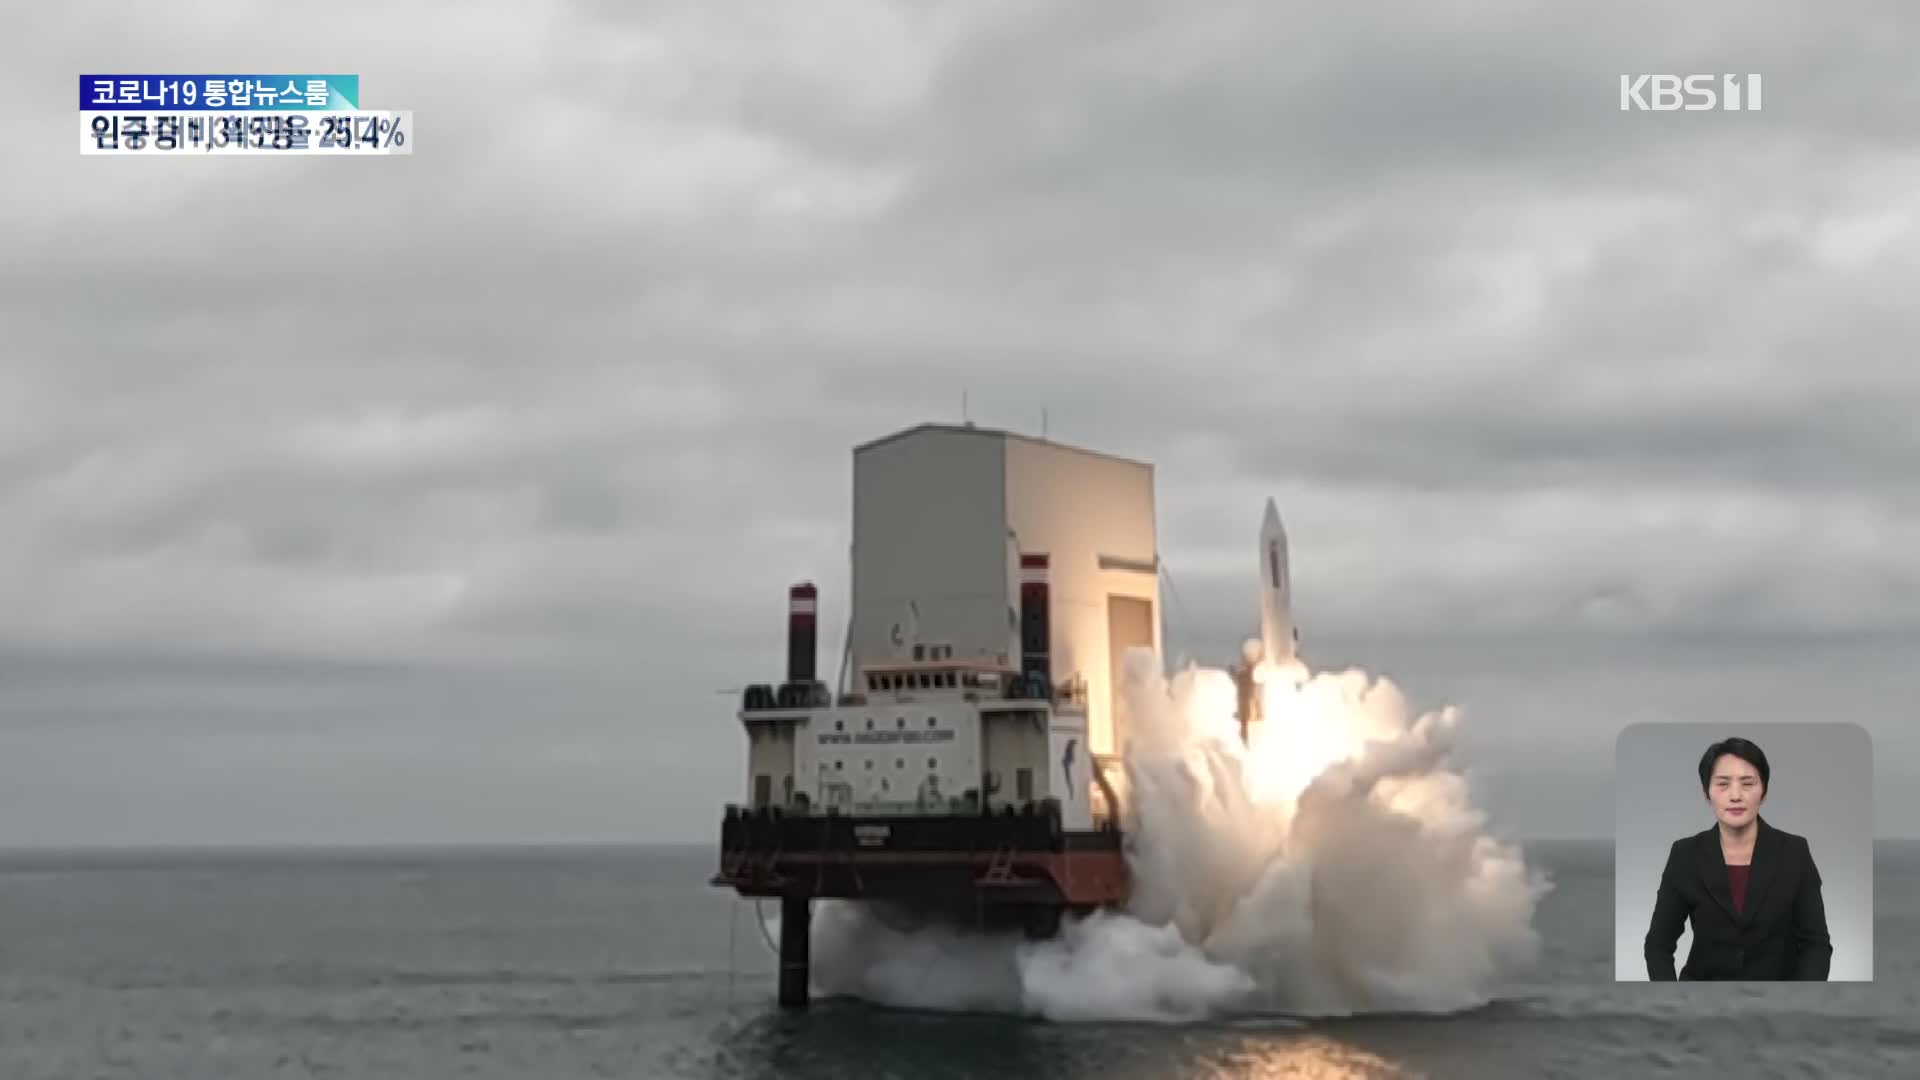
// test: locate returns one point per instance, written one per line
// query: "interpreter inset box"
(1743, 852)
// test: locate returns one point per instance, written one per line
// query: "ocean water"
(625, 963)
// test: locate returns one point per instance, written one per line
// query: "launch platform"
(964, 767)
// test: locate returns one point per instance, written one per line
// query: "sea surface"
(625, 963)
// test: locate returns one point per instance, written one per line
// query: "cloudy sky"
(438, 498)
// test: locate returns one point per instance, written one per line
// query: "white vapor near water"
(1332, 864)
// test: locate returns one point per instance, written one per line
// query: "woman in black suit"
(1751, 891)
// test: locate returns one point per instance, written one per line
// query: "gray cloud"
(352, 492)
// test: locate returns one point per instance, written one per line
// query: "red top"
(1737, 877)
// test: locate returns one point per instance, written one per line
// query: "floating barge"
(965, 766)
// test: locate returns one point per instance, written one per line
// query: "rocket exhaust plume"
(1336, 859)
(1330, 864)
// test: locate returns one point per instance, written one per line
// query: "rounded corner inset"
(1865, 735)
(1620, 737)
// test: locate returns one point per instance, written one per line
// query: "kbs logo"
(1694, 93)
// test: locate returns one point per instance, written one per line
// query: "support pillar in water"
(796, 926)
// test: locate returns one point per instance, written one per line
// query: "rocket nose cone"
(1270, 522)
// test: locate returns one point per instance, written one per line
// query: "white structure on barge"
(997, 582)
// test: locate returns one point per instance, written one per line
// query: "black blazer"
(1781, 931)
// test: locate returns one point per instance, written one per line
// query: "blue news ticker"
(219, 93)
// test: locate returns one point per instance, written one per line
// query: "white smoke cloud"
(1332, 864)
(870, 952)
(1111, 966)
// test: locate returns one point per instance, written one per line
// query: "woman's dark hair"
(1740, 748)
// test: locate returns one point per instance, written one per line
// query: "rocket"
(1276, 652)
(1279, 637)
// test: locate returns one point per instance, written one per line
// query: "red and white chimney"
(1036, 622)
(803, 609)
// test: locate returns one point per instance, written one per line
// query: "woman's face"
(1734, 790)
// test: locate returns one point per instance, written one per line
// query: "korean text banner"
(219, 93)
